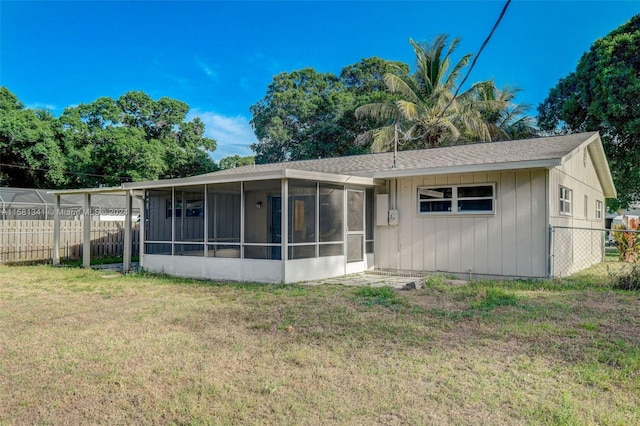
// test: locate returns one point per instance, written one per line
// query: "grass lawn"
(84, 347)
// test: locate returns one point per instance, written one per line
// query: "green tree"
(306, 114)
(29, 152)
(602, 94)
(427, 112)
(234, 161)
(134, 137)
(509, 120)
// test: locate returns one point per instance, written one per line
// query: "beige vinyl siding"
(578, 248)
(583, 181)
(512, 242)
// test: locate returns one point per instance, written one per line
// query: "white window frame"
(565, 201)
(586, 207)
(599, 206)
(454, 199)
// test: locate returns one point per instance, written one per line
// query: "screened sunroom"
(242, 230)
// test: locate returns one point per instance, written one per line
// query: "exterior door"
(355, 231)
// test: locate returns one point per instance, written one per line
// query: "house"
(615, 217)
(483, 209)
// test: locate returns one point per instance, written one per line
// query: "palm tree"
(510, 121)
(428, 113)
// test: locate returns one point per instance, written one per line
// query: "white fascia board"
(255, 176)
(577, 149)
(110, 189)
(205, 179)
(596, 151)
(330, 177)
(517, 165)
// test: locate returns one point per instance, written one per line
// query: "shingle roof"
(544, 152)
(478, 154)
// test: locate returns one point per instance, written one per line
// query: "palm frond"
(409, 110)
(378, 111)
(395, 84)
(383, 138)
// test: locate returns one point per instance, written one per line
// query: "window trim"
(565, 202)
(586, 206)
(454, 199)
(599, 208)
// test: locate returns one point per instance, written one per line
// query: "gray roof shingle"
(505, 152)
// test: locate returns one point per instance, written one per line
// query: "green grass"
(97, 260)
(383, 296)
(85, 347)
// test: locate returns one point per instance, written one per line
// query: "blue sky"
(220, 56)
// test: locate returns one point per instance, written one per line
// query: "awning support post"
(126, 251)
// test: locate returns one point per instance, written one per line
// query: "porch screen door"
(355, 225)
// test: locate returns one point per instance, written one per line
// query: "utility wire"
(473, 64)
(65, 172)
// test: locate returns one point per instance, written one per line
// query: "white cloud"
(233, 134)
(208, 70)
(41, 105)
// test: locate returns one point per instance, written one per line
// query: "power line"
(475, 59)
(473, 64)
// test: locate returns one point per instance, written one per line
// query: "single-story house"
(484, 209)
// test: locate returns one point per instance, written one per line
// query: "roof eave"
(472, 168)
(88, 190)
(594, 145)
(596, 151)
(204, 179)
(255, 176)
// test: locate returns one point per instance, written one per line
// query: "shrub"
(628, 243)
(626, 280)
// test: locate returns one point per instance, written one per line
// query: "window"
(598, 209)
(461, 199)
(565, 201)
(586, 204)
(178, 208)
(194, 208)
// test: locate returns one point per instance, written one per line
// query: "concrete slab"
(372, 280)
(116, 266)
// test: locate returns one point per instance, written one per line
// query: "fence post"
(56, 232)
(86, 232)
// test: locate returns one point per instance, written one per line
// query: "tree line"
(603, 94)
(376, 104)
(372, 105)
(103, 143)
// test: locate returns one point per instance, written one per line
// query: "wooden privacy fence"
(32, 240)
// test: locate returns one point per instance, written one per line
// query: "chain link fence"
(584, 249)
